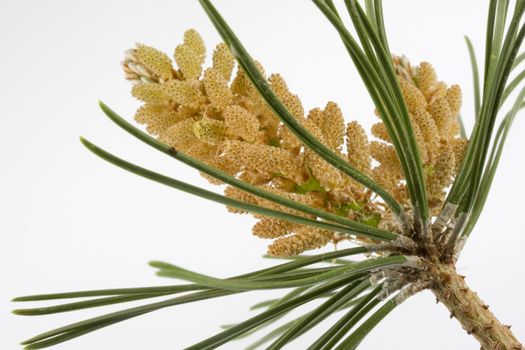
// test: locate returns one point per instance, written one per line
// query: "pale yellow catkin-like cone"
(224, 122)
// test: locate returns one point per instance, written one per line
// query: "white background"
(69, 221)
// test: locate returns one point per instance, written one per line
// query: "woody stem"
(472, 313)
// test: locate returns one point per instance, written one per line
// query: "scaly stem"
(471, 312)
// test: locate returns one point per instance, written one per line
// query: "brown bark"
(473, 314)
